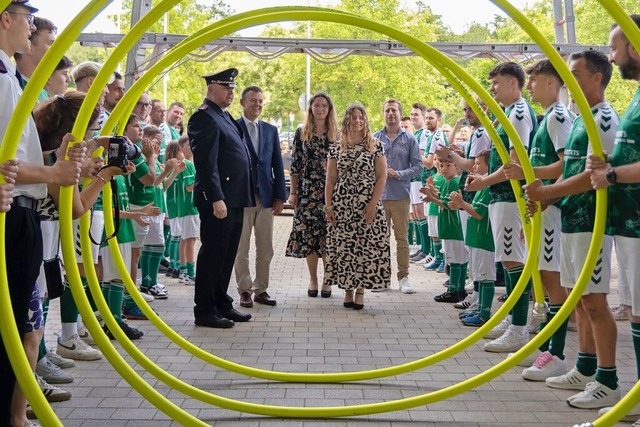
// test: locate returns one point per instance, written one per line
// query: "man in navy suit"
(264, 145)
(223, 188)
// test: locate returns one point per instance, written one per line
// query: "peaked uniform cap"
(225, 78)
(24, 3)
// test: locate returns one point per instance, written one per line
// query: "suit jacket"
(221, 158)
(269, 171)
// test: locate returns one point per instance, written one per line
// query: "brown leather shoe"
(245, 300)
(264, 298)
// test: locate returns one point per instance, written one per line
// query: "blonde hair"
(367, 138)
(331, 122)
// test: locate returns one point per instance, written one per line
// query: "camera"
(121, 152)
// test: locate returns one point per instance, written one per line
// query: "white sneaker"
(545, 366)
(52, 393)
(467, 302)
(620, 312)
(85, 336)
(500, 329)
(76, 349)
(632, 415)
(529, 359)
(405, 286)
(52, 373)
(595, 396)
(59, 361)
(468, 288)
(572, 380)
(509, 341)
(424, 261)
(533, 327)
(148, 298)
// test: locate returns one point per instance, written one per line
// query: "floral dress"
(358, 254)
(309, 164)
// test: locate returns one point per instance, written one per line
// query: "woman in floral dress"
(308, 172)
(358, 254)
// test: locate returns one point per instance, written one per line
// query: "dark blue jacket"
(221, 157)
(268, 168)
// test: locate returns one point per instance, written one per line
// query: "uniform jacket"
(268, 169)
(221, 158)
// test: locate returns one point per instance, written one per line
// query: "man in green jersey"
(621, 173)
(507, 81)
(546, 155)
(173, 117)
(596, 327)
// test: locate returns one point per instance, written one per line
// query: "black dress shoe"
(236, 316)
(312, 293)
(214, 321)
(264, 298)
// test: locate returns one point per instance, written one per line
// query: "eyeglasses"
(143, 104)
(27, 15)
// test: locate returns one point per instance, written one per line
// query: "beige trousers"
(259, 220)
(397, 213)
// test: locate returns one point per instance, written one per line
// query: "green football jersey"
(438, 181)
(523, 118)
(550, 138)
(140, 194)
(624, 199)
(479, 233)
(126, 234)
(578, 211)
(449, 225)
(179, 199)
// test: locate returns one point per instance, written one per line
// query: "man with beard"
(622, 173)
(403, 163)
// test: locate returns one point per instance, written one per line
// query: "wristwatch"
(610, 176)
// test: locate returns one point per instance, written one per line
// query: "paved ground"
(303, 334)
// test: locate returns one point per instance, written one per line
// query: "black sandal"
(348, 304)
(312, 292)
(325, 294)
(357, 306)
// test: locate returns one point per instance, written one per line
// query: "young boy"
(154, 243)
(184, 216)
(112, 287)
(479, 240)
(450, 231)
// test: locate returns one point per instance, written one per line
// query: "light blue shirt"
(403, 156)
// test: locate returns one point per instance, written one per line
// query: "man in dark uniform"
(223, 188)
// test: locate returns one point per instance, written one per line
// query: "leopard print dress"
(358, 254)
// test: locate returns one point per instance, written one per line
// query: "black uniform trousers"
(220, 239)
(23, 245)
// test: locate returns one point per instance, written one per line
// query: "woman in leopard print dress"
(358, 254)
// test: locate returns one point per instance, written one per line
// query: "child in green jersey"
(479, 240)
(450, 231)
(112, 287)
(185, 222)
